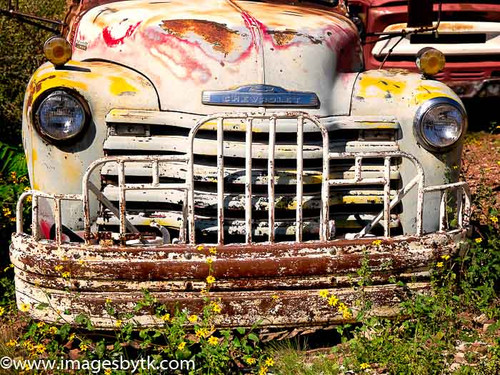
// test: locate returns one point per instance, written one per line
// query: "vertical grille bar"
(156, 173)
(300, 178)
(442, 211)
(122, 199)
(220, 179)
(460, 199)
(183, 231)
(270, 176)
(387, 196)
(248, 181)
(34, 217)
(58, 220)
(358, 162)
(325, 188)
(420, 204)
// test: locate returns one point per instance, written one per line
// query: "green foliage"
(182, 336)
(21, 53)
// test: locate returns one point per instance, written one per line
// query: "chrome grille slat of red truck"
(351, 207)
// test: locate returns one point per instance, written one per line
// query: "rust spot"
(283, 37)
(218, 35)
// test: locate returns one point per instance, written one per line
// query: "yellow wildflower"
(11, 343)
(53, 330)
(439, 264)
(269, 362)
(333, 300)
(494, 219)
(108, 301)
(210, 279)
(181, 346)
(377, 242)
(7, 212)
(24, 307)
(323, 293)
(445, 257)
(479, 240)
(210, 260)
(275, 297)
(213, 340)
(2, 311)
(107, 371)
(165, 317)
(40, 324)
(346, 314)
(251, 361)
(216, 307)
(13, 219)
(213, 250)
(263, 370)
(118, 323)
(364, 366)
(202, 332)
(193, 318)
(199, 248)
(81, 262)
(40, 348)
(71, 337)
(58, 268)
(83, 347)
(66, 275)
(13, 175)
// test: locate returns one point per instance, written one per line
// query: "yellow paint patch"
(57, 79)
(362, 199)
(424, 93)
(119, 86)
(380, 87)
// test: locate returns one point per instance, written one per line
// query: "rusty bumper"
(277, 283)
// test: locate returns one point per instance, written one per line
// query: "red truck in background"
(468, 34)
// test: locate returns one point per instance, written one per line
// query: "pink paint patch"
(177, 55)
(45, 229)
(112, 41)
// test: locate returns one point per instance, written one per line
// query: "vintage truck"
(162, 133)
(467, 32)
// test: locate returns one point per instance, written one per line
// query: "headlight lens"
(440, 123)
(61, 116)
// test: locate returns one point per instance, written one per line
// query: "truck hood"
(187, 47)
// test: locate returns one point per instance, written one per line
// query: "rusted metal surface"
(222, 44)
(247, 277)
(326, 182)
(157, 161)
(468, 35)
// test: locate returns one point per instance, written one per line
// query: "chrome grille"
(244, 152)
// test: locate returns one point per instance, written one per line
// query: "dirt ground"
(481, 160)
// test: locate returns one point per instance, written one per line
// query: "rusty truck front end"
(241, 140)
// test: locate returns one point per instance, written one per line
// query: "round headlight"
(440, 123)
(61, 116)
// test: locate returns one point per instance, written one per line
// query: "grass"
(454, 330)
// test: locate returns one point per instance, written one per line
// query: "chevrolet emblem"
(261, 96)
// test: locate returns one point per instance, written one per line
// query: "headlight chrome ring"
(439, 124)
(61, 116)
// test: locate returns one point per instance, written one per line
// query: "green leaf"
(253, 337)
